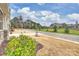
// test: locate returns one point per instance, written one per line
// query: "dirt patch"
(55, 47)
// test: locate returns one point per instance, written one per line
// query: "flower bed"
(21, 46)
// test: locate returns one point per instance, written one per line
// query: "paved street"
(64, 36)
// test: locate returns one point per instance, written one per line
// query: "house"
(74, 26)
(4, 21)
(61, 25)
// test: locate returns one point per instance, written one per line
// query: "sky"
(46, 13)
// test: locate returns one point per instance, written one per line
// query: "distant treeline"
(17, 22)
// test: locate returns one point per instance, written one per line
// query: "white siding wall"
(6, 23)
(5, 19)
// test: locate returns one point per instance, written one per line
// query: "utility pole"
(55, 24)
(36, 31)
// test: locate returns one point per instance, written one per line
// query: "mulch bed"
(2, 47)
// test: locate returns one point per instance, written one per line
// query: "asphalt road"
(64, 36)
(58, 35)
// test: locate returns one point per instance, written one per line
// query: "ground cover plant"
(21, 46)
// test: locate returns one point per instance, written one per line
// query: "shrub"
(55, 28)
(67, 30)
(21, 46)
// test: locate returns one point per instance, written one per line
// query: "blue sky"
(46, 13)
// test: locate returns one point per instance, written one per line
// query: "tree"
(55, 28)
(66, 28)
(20, 18)
(17, 22)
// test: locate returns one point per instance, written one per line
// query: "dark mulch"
(2, 46)
(39, 46)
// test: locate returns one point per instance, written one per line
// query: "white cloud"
(11, 17)
(45, 17)
(54, 16)
(50, 16)
(38, 16)
(13, 11)
(73, 16)
(24, 10)
(44, 13)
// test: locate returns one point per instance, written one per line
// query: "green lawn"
(61, 30)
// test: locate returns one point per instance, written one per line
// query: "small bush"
(21, 46)
(66, 30)
(55, 28)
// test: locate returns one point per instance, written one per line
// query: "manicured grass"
(71, 31)
(61, 30)
(21, 46)
(74, 32)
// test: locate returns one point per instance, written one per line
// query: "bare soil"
(56, 47)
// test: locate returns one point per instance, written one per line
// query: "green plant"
(55, 28)
(66, 30)
(21, 46)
